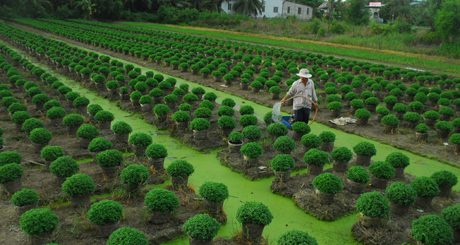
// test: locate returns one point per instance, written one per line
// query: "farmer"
(303, 87)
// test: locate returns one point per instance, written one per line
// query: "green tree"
(248, 7)
(394, 9)
(311, 3)
(447, 20)
(356, 14)
(88, 7)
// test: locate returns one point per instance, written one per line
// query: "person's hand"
(283, 100)
(315, 104)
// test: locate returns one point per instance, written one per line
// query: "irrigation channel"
(287, 216)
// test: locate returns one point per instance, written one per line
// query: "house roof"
(323, 6)
(299, 4)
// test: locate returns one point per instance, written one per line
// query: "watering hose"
(316, 113)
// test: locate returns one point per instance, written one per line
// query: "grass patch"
(437, 64)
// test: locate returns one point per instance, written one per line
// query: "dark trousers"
(302, 115)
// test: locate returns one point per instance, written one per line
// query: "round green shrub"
(127, 236)
(181, 116)
(422, 128)
(134, 174)
(202, 113)
(246, 110)
(56, 113)
(7, 101)
(398, 160)
(25, 197)
(38, 221)
(252, 150)
(73, 120)
(40, 136)
(277, 129)
(425, 186)
(311, 141)
(432, 230)
(254, 213)
(78, 185)
(382, 170)
(40, 99)
(87, 131)
(201, 227)
(104, 116)
(15, 107)
(433, 115)
(185, 107)
(161, 200)
(52, 103)
(64, 167)
(161, 110)
(301, 128)
(156, 151)
(365, 148)
(400, 193)
(20, 117)
(247, 120)
(214, 192)
(335, 106)
(140, 139)
(358, 174)
(110, 158)
(105, 212)
(235, 137)
(31, 124)
(444, 126)
(391, 120)
(10, 172)
(210, 96)
(51, 153)
(199, 124)
(452, 216)
(282, 163)
(362, 113)
(284, 144)
(99, 144)
(295, 237)
(341, 154)
(207, 104)
(190, 98)
(445, 179)
(328, 183)
(373, 204)
(226, 122)
(81, 101)
(252, 132)
(180, 169)
(316, 157)
(225, 111)
(228, 102)
(8, 157)
(327, 137)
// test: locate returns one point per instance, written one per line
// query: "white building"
(275, 8)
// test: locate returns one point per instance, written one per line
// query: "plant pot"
(38, 147)
(159, 217)
(140, 150)
(423, 201)
(84, 143)
(283, 176)
(160, 118)
(199, 242)
(367, 221)
(41, 239)
(235, 147)
(179, 181)
(442, 134)
(255, 90)
(214, 207)
(378, 183)
(181, 126)
(327, 146)
(158, 165)
(389, 129)
(398, 209)
(355, 187)
(421, 136)
(275, 96)
(399, 173)
(124, 97)
(244, 86)
(13, 186)
(107, 229)
(81, 201)
(362, 121)
(335, 113)
(444, 118)
(389, 106)
(444, 191)
(18, 127)
(364, 161)
(250, 162)
(314, 170)
(104, 125)
(110, 172)
(252, 232)
(72, 130)
(324, 198)
(121, 138)
(22, 209)
(135, 102)
(82, 110)
(379, 117)
(340, 167)
(430, 122)
(146, 107)
(171, 105)
(200, 135)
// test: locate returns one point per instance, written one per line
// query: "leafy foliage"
(78, 185)
(431, 230)
(201, 227)
(254, 213)
(38, 221)
(328, 183)
(161, 200)
(425, 186)
(25, 197)
(358, 174)
(373, 204)
(105, 212)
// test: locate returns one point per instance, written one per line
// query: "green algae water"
(287, 216)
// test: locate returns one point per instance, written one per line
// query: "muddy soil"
(404, 138)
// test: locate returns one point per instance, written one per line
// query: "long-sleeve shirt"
(298, 88)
